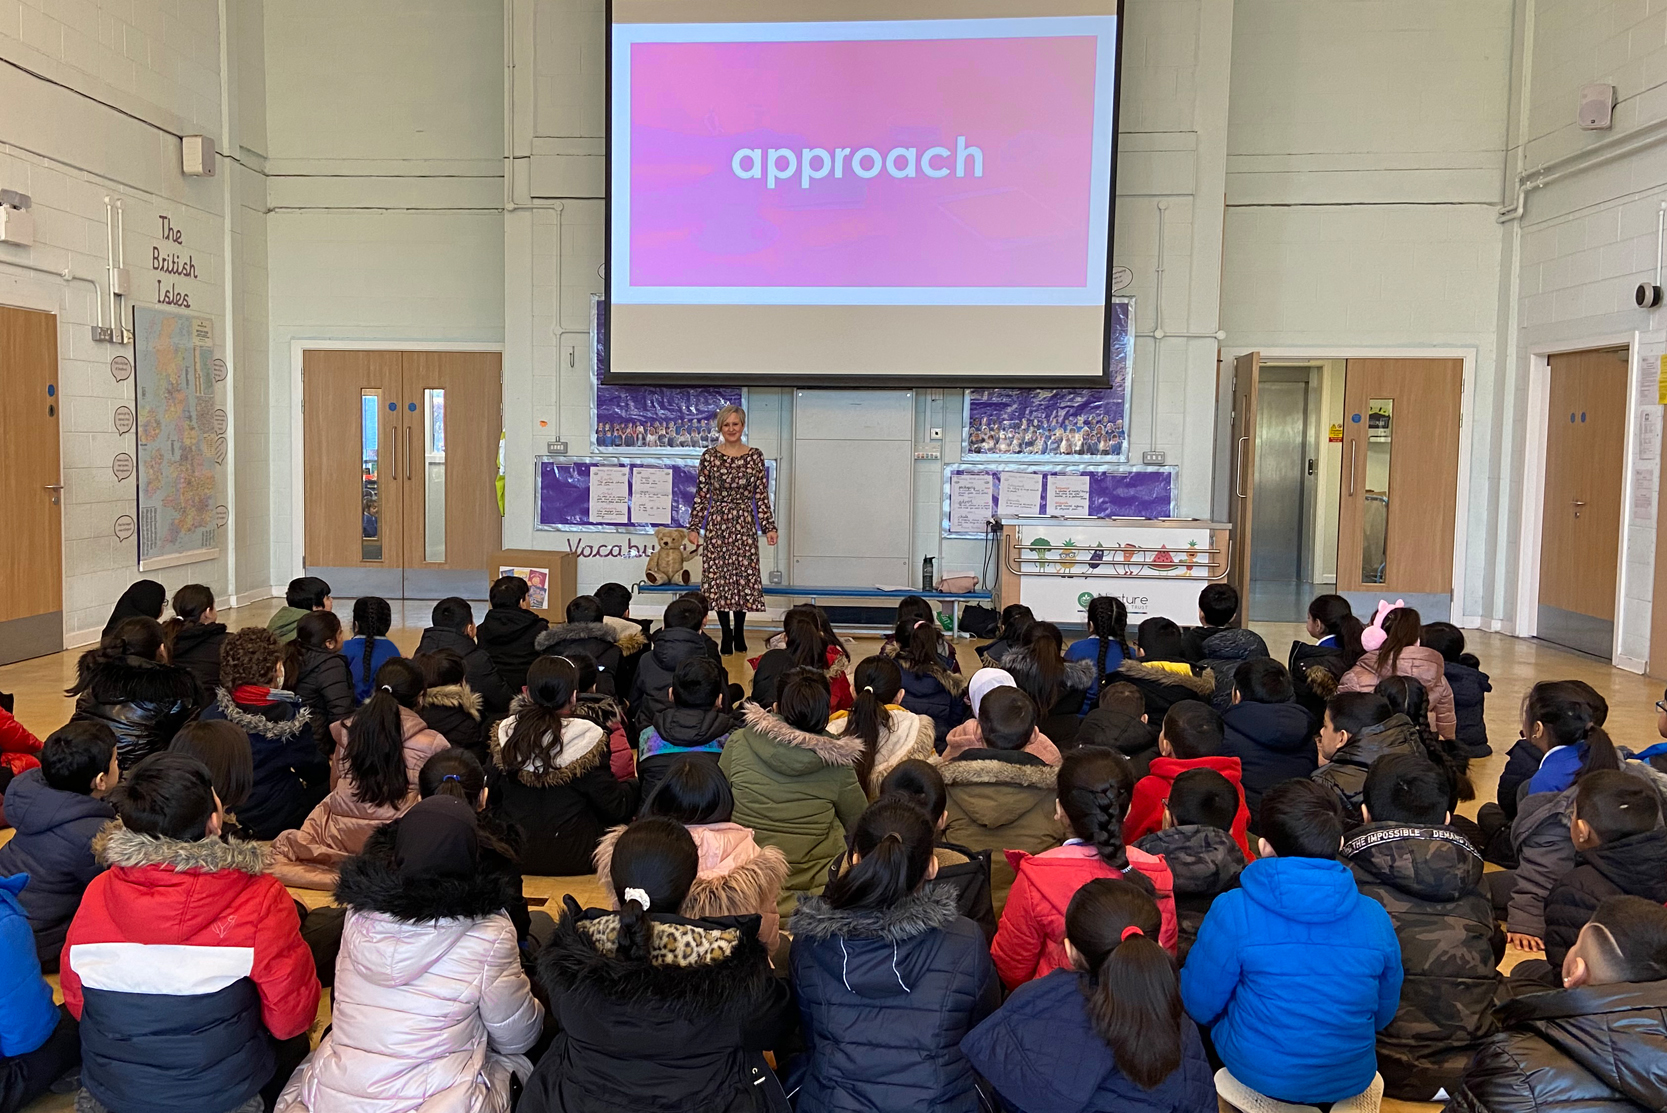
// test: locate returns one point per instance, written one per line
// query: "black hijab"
(142, 599)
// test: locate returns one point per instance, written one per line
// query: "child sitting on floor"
(1469, 683)
(1197, 845)
(1616, 828)
(1191, 738)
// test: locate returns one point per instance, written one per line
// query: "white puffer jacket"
(432, 1011)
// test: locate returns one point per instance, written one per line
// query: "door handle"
(408, 452)
(1578, 503)
(1238, 470)
(1352, 446)
(52, 486)
(393, 455)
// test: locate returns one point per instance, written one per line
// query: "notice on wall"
(610, 494)
(1021, 495)
(1067, 496)
(971, 501)
(1643, 494)
(651, 496)
(1652, 380)
(1649, 433)
(538, 584)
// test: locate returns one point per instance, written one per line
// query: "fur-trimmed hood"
(1202, 686)
(1021, 662)
(370, 882)
(628, 643)
(832, 749)
(459, 696)
(136, 680)
(904, 735)
(115, 845)
(930, 908)
(999, 767)
(737, 876)
(299, 722)
(698, 968)
(583, 747)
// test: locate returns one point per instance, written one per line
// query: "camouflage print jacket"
(1429, 881)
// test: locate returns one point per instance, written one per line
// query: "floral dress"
(731, 508)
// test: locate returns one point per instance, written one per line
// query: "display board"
(665, 420)
(819, 192)
(619, 495)
(973, 493)
(181, 437)
(1057, 568)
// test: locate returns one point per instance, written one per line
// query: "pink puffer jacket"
(1425, 666)
(737, 876)
(337, 829)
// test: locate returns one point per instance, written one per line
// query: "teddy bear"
(666, 565)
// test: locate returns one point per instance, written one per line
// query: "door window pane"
(370, 475)
(434, 475)
(1374, 549)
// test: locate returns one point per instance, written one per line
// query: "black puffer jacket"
(1062, 720)
(1223, 651)
(1429, 881)
(290, 775)
(454, 710)
(508, 634)
(144, 702)
(1315, 671)
(1163, 689)
(197, 648)
(687, 1030)
(1596, 1049)
(324, 685)
(1345, 773)
(884, 999)
(1633, 866)
(671, 647)
(1273, 741)
(478, 669)
(1470, 688)
(1205, 862)
(596, 640)
(1129, 735)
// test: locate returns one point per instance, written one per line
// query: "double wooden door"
(401, 452)
(31, 545)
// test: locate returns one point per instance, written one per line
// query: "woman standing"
(732, 504)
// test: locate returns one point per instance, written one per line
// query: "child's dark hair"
(75, 754)
(1406, 788)
(805, 643)
(698, 681)
(587, 669)
(372, 618)
(1638, 928)
(250, 656)
(584, 609)
(452, 614)
(1565, 710)
(223, 748)
(1128, 980)
(375, 753)
(912, 609)
(1193, 729)
(1095, 786)
(1108, 620)
(1203, 798)
(1218, 603)
(1615, 804)
(306, 593)
(190, 603)
(552, 684)
(1335, 614)
(920, 783)
(615, 599)
(1301, 819)
(452, 772)
(700, 598)
(441, 668)
(167, 795)
(1353, 712)
(694, 792)
(1263, 680)
(314, 631)
(1402, 629)
(1447, 640)
(507, 592)
(918, 642)
(658, 856)
(876, 680)
(1407, 696)
(133, 637)
(1047, 653)
(1016, 618)
(684, 613)
(1160, 639)
(803, 700)
(893, 843)
(1006, 719)
(1125, 697)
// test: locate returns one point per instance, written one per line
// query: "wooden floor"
(1513, 664)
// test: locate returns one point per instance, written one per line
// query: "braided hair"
(1096, 787)
(372, 618)
(1108, 620)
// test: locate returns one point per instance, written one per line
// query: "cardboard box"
(550, 571)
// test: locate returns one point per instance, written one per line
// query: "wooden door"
(352, 410)
(1580, 533)
(1399, 493)
(1242, 477)
(449, 469)
(31, 490)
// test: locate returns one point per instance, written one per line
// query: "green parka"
(1001, 800)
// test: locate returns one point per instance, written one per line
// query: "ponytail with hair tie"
(868, 718)
(1128, 981)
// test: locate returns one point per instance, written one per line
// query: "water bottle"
(926, 578)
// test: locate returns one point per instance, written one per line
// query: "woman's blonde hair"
(724, 413)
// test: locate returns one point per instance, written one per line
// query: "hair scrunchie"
(389, 688)
(638, 897)
(1132, 929)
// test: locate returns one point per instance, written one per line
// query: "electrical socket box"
(1152, 457)
(17, 226)
(937, 434)
(775, 577)
(103, 334)
(556, 448)
(121, 281)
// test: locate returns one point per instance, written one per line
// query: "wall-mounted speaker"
(1597, 107)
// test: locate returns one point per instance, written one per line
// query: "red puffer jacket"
(1030, 942)
(17, 751)
(1151, 796)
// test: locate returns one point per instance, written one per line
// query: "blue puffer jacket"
(1042, 1055)
(54, 846)
(885, 998)
(1470, 688)
(1273, 741)
(27, 1014)
(1295, 951)
(286, 761)
(936, 692)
